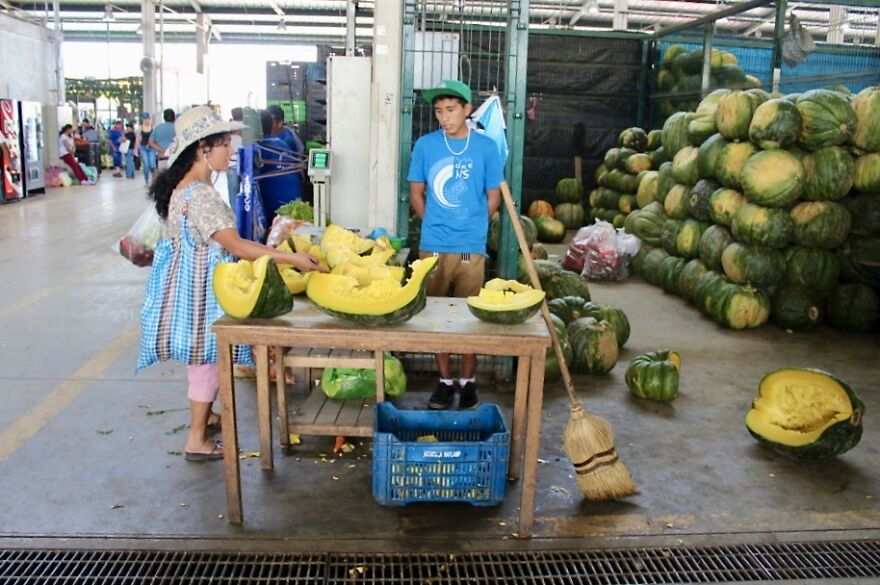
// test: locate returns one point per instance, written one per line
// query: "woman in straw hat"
(179, 303)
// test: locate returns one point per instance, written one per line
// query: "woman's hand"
(306, 262)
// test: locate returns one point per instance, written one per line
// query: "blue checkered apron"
(179, 303)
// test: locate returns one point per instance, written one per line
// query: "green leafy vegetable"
(297, 210)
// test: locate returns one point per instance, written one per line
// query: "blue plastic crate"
(466, 463)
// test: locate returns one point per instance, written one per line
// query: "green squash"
(655, 140)
(806, 414)
(820, 224)
(251, 289)
(637, 163)
(570, 214)
(698, 202)
(723, 204)
(860, 260)
(675, 135)
(381, 303)
(658, 157)
(853, 307)
(690, 275)
(866, 173)
(648, 224)
(817, 270)
(865, 212)
(594, 346)
(734, 115)
(688, 237)
(552, 371)
(762, 226)
(775, 124)
(756, 265)
(651, 265)
(654, 375)
(772, 178)
(676, 204)
(569, 190)
(530, 231)
(867, 108)
(550, 230)
(634, 138)
(647, 192)
(713, 242)
(669, 273)
(730, 163)
(506, 302)
(828, 174)
(611, 160)
(569, 308)
(827, 119)
(743, 307)
(665, 182)
(796, 308)
(684, 166)
(638, 262)
(708, 155)
(669, 235)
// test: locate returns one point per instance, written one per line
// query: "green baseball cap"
(448, 87)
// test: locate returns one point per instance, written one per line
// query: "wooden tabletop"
(444, 323)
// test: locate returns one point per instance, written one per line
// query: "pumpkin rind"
(654, 375)
(251, 290)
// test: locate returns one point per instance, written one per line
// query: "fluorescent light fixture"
(108, 13)
(593, 7)
(282, 27)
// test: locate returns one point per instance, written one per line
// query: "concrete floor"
(86, 460)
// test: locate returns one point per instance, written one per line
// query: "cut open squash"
(507, 302)
(251, 290)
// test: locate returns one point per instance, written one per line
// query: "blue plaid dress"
(179, 303)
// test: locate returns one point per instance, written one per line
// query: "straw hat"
(195, 124)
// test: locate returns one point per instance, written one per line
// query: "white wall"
(27, 61)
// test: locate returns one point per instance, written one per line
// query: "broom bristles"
(589, 442)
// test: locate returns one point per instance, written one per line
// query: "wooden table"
(445, 325)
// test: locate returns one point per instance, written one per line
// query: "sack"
(353, 383)
(797, 43)
(179, 306)
(139, 242)
(123, 146)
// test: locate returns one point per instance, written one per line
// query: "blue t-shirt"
(456, 206)
(163, 134)
(281, 189)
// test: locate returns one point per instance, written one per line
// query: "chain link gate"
(485, 45)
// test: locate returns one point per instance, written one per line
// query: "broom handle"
(536, 284)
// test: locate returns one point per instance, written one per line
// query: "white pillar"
(148, 62)
(385, 119)
(836, 20)
(621, 10)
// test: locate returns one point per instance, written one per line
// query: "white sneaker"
(87, 182)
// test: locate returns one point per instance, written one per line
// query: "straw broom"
(588, 440)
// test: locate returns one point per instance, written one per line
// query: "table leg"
(281, 397)
(379, 356)
(519, 413)
(533, 445)
(230, 433)
(264, 406)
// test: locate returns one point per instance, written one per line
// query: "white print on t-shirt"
(449, 183)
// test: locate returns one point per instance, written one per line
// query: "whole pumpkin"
(594, 345)
(654, 375)
(540, 207)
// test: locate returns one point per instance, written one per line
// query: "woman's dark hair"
(166, 181)
(65, 128)
(266, 123)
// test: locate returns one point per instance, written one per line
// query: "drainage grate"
(770, 562)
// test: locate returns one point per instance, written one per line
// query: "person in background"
(162, 137)
(279, 130)
(131, 138)
(278, 190)
(233, 180)
(114, 138)
(147, 152)
(183, 195)
(454, 177)
(89, 132)
(66, 149)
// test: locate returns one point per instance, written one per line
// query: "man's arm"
(494, 196)
(417, 198)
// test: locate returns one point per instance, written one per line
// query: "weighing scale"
(319, 175)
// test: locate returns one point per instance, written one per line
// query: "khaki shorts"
(456, 275)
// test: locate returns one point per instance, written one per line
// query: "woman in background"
(67, 148)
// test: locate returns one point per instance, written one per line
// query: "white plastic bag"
(140, 240)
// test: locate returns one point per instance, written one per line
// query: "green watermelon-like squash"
(506, 302)
(538, 208)
(827, 119)
(756, 265)
(689, 276)
(734, 115)
(637, 163)
(569, 190)
(772, 178)
(688, 237)
(613, 315)
(762, 226)
(651, 265)
(684, 166)
(865, 212)
(552, 371)
(251, 290)
(867, 108)
(558, 282)
(382, 303)
(723, 204)
(709, 152)
(647, 191)
(699, 201)
(550, 230)
(570, 214)
(853, 307)
(820, 224)
(669, 234)
(815, 269)
(806, 414)
(675, 135)
(593, 345)
(634, 138)
(530, 231)
(665, 182)
(570, 308)
(828, 174)
(676, 204)
(775, 124)
(713, 242)
(702, 126)
(655, 140)
(612, 159)
(860, 259)
(730, 163)
(866, 173)
(795, 308)
(654, 375)
(648, 224)
(669, 273)
(742, 307)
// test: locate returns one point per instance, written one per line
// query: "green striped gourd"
(552, 371)
(775, 124)
(796, 308)
(817, 270)
(756, 265)
(828, 174)
(860, 260)
(853, 307)
(723, 204)
(594, 346)
(676, 204)
(648, 188)
(654, 375)
(772, 178)
(699, 201)
(865, 212)
(866, 105)
(687, 240)
(820, 224)
(684, 166)
(827, 119)
(648, 224)
(762, 226)
(689, 277)
(669, 273)
(708, 155)
(713, 242)
(730, 163)
(734, 114)
(675, 135)
(866, 173)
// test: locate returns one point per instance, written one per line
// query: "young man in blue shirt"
(162, 136)
(455, 177)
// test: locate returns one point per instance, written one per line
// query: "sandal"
(216, 453)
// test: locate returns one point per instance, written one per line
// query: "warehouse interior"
(91, 462)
